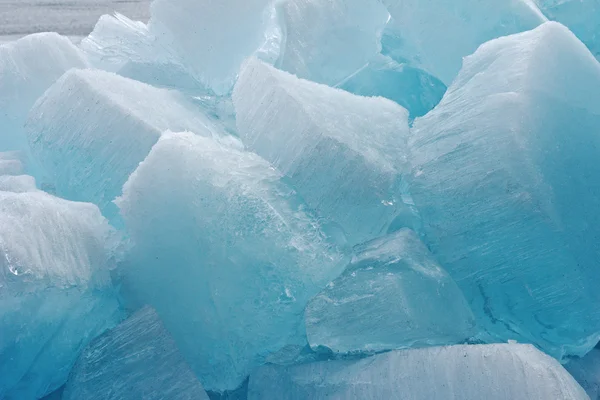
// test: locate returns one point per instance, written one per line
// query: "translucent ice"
(498, 166)
(129, 48)
(91, 129)
(28, 67)
(136, 360)
(581, 16)
(229, 262)
(492, 372)
(412, 88)
(344, 154)
(436, 35)
(327, 40)
(211, 38)
(586, 371)
(393, 295)
(55, 295)
(10, 163)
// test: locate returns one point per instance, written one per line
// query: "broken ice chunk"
(211, 38)
(393, 295)
(55, 294)
(344, 154)
(492, 372)
(326, 41)
(498, 166)
(436, 35)
(91, 129)
(136, 360)
(28, 67)
(224, 252)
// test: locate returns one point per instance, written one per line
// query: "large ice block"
(55, 291)
(118, 44)
(435, 35)
(224, 252)
(344, 154)
(28, 67)
(506, 181)
(586, 371)
(211, 38)
(492, 372)
(91, 129)
(328, 40)
(412, 88)
(393, 295)
(581, 16)
(136, 360)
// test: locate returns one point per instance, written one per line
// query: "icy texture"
(412, 88)
(491, 372)
(136, 360)
(10, 163)
(130, 49)
(581, 16)
(344, 154)
(393, 295)
(27, 68)
(435, 35)
(55, 295)
(498, 168)
(229, 262)
(328, 40)
(223, 32)
(91, 129)
(586, 371)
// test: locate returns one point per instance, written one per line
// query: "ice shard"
(466, 372)
(28, 67)
(498, 166)
(55, 292)
(393, 295)
(229, 262)
(326, 41)
(436, 35)
(91, 129)
(136, 360)
(344, 154)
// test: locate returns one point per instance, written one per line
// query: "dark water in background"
(74, 18)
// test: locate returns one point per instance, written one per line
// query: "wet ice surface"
(74, 18)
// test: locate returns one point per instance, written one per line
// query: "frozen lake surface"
(74, 18)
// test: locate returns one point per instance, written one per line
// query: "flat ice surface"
(224, 252)
(344, 154)
(491, 372)
(136, 360)
(498, 166)
(393, 295)
(72, 18)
